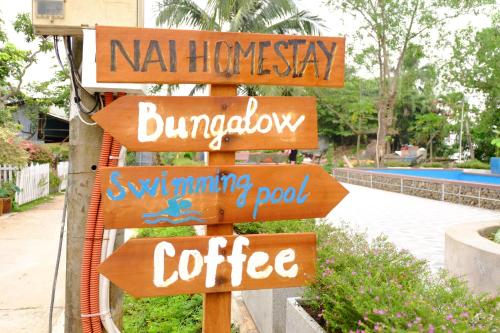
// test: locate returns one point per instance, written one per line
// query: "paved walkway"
(28, 243)
(413, 223)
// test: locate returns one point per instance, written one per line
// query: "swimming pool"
(456, 175)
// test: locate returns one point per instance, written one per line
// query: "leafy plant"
(8, 189)
(432, 165)
(178, 314)
(54, 181)
(496, 236)
(473, 164)
(277, 227)
(374, 287)
(38, 153)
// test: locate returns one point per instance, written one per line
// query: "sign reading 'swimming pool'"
(147, 123)
(138, 197)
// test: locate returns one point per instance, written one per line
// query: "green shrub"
(177, 314)
(277, 227)
(54, 181)
(329, 159)
(432, 165)
(59, 150)
(166, 232)
(11, 151)
(496, 236)
(472, 164)
(38, 153)
(374, 287)
(396, 164)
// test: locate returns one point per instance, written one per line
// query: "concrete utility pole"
(85, 146)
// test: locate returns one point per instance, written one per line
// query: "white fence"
(33, 182)
(62, 173)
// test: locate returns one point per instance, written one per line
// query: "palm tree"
(262, 16)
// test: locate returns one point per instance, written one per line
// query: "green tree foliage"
(429, 128)
(265, 16)
(475, 66)
(350, 111)
(386, 33)
(35, 97)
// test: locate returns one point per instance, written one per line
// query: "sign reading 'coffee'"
(171, 266)
(186, 56)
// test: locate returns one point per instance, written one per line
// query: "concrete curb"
(473, 257)
(298, 320)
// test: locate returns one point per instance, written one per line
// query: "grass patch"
(432, 165)
(396, 164)
(473, 164)
(176, 314)
(34, 203)
(183, 161)
(277, 227)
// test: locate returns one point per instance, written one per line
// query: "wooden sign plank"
(186, 56)
(152, 123)
(186, 265)
(138, 197)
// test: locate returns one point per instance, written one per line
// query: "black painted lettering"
(173, 55)
(295, 44)
(238, 49)
(136, 65)
(277, 50)
(329, 56)
(217, 57)
(261, 70)
(205, 56)
(311, 52)
(192, 56)
(154, 46)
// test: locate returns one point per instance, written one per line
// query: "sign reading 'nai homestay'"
(186, 56)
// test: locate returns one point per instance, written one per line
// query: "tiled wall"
(456, 192)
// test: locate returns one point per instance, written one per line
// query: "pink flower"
(354, 273)
(431, 329)
(449, 317)
(464, 315)
(399, 315)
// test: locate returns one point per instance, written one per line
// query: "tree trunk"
(358, 143)
(469, 139)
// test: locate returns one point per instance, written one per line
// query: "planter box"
(5, 205)
(298, 320)
(475, 258)
(268, 307)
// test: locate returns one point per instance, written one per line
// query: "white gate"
(33, 182)
(62, 173)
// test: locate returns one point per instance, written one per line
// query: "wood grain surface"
(211, 123)
(131, 267)
(140, 55)
(138, 197)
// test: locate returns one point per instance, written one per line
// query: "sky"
(336, 25)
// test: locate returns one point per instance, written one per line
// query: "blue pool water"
(457, 175)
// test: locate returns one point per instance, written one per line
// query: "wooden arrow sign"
(187, 265)
(188, 56)
(211, 123)
(138, 197)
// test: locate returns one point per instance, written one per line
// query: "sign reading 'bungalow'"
(184, 56)
(153, 123)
